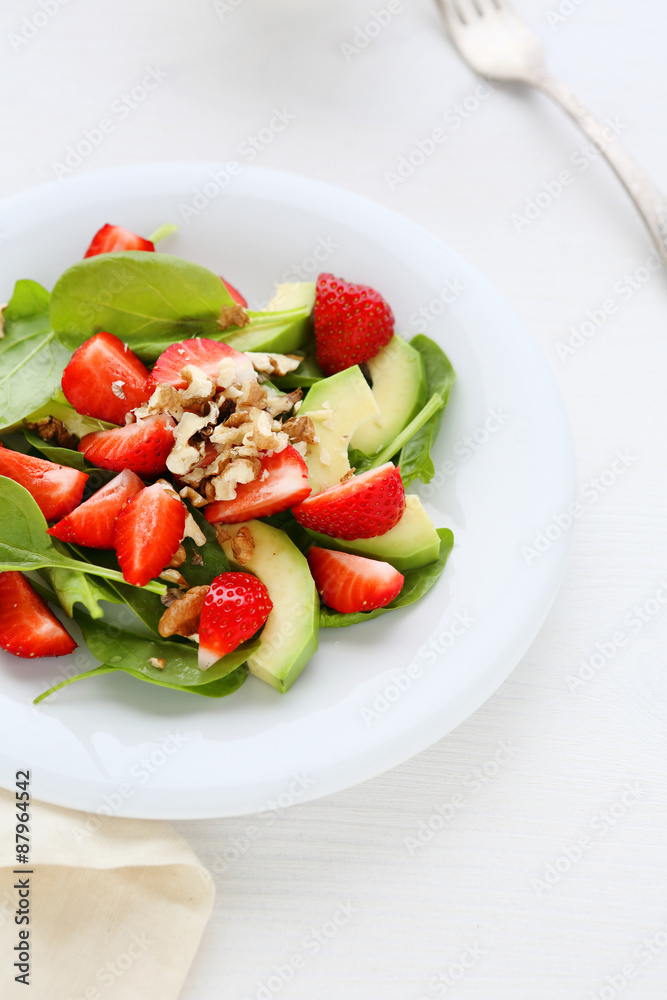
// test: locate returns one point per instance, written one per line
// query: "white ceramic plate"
(375, 694)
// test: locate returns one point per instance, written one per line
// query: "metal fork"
(497, 44)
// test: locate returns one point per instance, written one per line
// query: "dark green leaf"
(417, 583)
(124, 650)
(62, 456)
(149, 300)
(31, 358)
(216, 689)
(415, 460)
(72, 587)
(215, 560)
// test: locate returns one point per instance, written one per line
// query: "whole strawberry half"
(362, 507)
(110, 239)
(236, 606)
(93, 523)
(282, 483)
(148, 531)
(104, 379)
(56, 489)
(350, 583)
(204, 354)
(352, 323)
(27, 627)
(142, 447)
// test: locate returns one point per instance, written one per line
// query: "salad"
(232, 480)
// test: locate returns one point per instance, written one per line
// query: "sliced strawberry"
(109, 239)
(236, 606)
(282, 483)
(352, 323)
(56, 489)
(235, 294)
(27, 627)
(361, 507)
(149, 529)
(142, 447)
(104, 379)
(350, 583)
(93, 523)
(204, 354)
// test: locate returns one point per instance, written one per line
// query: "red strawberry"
(56, 489)
(236, 606)
(27, 627)
(352, 323)
(149, 529)
(93, 523)
(285, 484)
(205, 354)
(104, 379)
(142, 447)
(235, 294)
(350, 583)
(361, 507)
(109, 239)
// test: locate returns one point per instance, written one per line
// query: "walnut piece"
(243, 546)
(301, 429)
(233, 316)
(178, 558)
(182, 617)
(157, 662)
(173, 576)
(273, 364)
(53, 430)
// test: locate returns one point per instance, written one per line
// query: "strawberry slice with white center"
(282, 483)
(110, 239)
(235, 294)
(361, 507)
(104, 379)
(148, 531)
(236, 606)
(205, 354)
(93, 523)
(56, 489)
(28, 628)
(350, 583)
(142, 447)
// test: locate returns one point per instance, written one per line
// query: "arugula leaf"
(31, 358)
(25, 544)
(125, 650)
(415, 460)
(54, 453)
(417, 583)
(149, 300)
(216, 689)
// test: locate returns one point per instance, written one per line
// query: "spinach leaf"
(215, 561)
(415, 460)
(147, 606)
(417, 583)
(61, 456)
(148, 300)
(124, 650)
(216, 689)
(31, 358)
(72, 587)
(25, 544)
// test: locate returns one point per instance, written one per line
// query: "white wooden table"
(541, 871)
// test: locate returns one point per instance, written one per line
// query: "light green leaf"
(415, 460)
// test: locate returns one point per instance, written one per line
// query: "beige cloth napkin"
(117, 907)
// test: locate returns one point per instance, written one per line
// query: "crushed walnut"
(243, 546)
(178, 558)
(182, 616)
(233, 316)
(157, 662)
(274, 364)
(54, 431)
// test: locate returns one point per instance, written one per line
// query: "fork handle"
(650, 201)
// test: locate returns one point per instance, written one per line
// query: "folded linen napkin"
(116, 907)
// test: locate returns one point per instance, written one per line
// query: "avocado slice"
(411, 543)
(398, 377)
(343, 401)
(289, 638)
(292, 303)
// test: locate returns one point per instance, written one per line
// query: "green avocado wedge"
(290, 635)
(338, 405)
(398, 378)
(411, 543)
